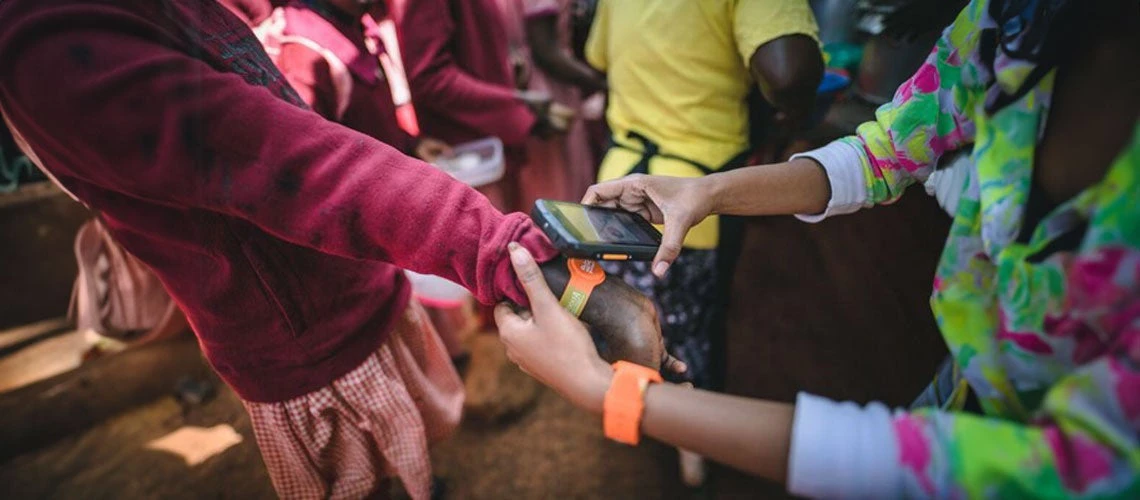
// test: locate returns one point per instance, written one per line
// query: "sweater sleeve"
(440, 84)
(1082, 442)
(931, 114)
(110, 107)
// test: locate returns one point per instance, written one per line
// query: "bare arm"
(541, 35)
(751, 435)
(795, 187)
(788, 70)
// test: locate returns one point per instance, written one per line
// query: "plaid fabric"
(344, 440)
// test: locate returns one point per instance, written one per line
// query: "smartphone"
(600, 233)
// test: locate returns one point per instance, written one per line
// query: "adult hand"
(554, 347)
(548, 342)
(429, 149)
(678, 203)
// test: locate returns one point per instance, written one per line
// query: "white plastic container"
(437, 292)
(476, 163)
(450, 307)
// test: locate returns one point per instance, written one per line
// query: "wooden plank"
(42, 360)
(40, 413)
(22, 334)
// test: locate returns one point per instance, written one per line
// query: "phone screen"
(601, 225)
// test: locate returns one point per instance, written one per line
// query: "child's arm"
(439, 83)
(555, 348)
(552, 57)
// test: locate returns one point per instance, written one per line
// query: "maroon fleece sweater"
(458, 64)
(278, 232)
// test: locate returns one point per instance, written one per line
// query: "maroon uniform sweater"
(277, 231)
(457, 59)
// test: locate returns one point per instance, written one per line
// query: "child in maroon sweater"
(334, 54)
(279, 233)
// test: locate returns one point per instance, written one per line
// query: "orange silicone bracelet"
(584, 276)
(625, 401)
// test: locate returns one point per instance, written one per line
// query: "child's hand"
(429, 149)
(549, 343)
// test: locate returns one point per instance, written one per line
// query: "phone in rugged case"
(596, 232)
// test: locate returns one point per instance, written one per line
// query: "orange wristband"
(584, 276)
(625, 401)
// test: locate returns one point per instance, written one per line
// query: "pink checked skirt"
(345, 440)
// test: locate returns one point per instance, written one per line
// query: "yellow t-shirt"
(678, 72)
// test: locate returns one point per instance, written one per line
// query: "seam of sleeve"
(843, 164)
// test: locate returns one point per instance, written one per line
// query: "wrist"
(591, 394)
(712, 188)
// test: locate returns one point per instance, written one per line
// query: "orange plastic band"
(584, 276)
(625, 401)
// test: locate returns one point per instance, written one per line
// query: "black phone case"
(572, 248)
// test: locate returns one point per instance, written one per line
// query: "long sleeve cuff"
(844, 167)
(842, 450)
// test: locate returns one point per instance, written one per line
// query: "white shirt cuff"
(844, 166)
(842, 450)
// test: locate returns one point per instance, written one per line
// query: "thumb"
(541, 299)
(507, 320)
(672, 241)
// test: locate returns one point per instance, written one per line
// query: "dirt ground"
(551, 451)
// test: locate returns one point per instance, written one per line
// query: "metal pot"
(837, 20)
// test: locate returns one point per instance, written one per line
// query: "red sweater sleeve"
(438, 83)
(107, 108)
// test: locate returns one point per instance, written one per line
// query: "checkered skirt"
(346, 439)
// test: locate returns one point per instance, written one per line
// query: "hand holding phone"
(600, 233)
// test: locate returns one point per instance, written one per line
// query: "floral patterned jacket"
(1043, 321)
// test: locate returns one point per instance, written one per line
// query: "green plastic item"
(845, 56)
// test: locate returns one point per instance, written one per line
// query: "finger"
(605, 191)
(506, 318)
(655, 214)
(591, 196)
(645, 213)
(674, 365)
(672, 241)
(541, 299)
